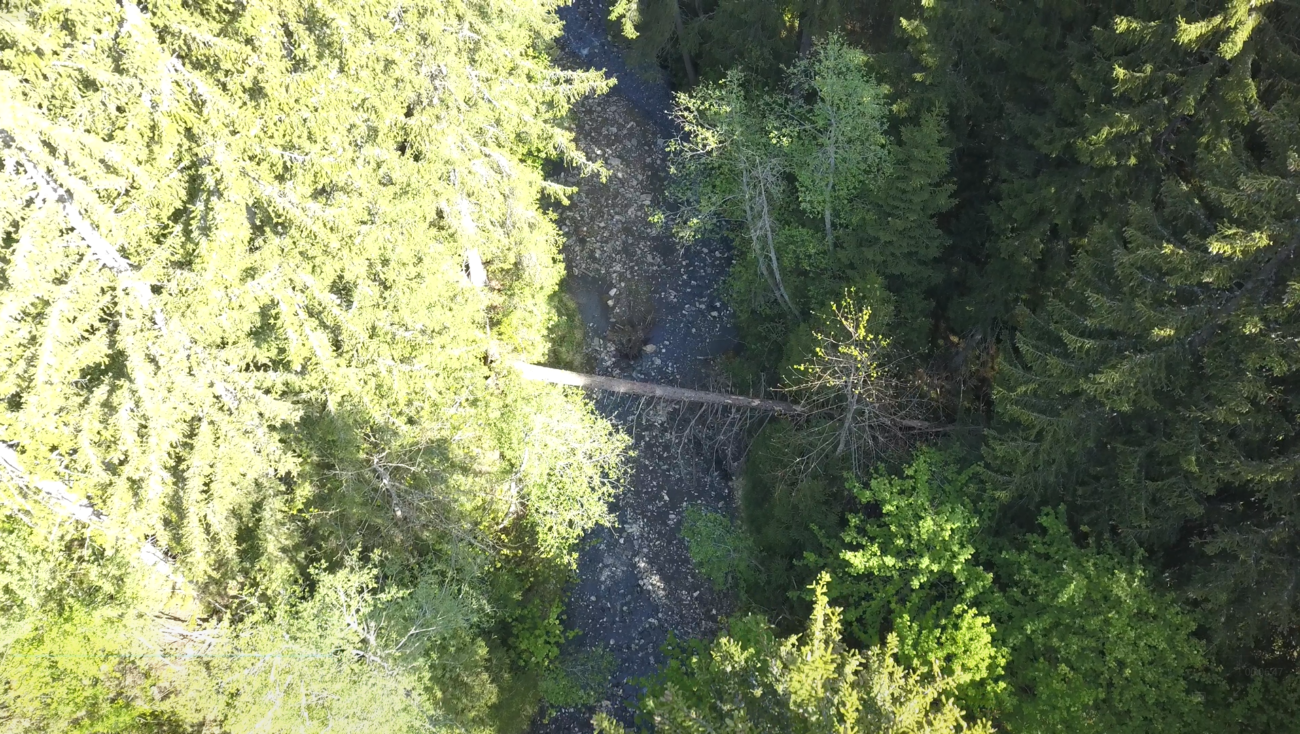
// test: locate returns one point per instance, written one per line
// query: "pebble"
(649, 349)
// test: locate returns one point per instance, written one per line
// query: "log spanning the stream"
(651, 389)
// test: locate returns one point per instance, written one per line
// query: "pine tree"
(233, 267)
(262, 269)
(1154, 387)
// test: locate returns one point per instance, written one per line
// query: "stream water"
(635, 582)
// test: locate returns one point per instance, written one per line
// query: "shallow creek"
(635, 581)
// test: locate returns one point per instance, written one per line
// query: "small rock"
(610, 302)
(649, 348)
(613, 291)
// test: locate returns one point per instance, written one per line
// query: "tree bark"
(650, 389)
(766, 215)
(847, 427)
(805, 29)
(681, 44)
(805, 34)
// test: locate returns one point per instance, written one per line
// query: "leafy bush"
(580, 679)
(908, 566)
(751, 681)
(1093, 647)
(721, 552)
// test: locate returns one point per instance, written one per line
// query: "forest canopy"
(1025, 273)
(1030, 268)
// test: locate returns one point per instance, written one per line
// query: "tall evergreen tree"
(1154, 388)
(259, 266)
(233, 260)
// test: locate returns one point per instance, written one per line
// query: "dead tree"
(757, 179)
(859, 403)
(651, 389)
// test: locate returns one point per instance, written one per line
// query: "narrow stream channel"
(636, 582)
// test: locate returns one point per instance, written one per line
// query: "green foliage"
(603, 723)
(786, 516)
(720, 550)
(1110, 269)
(529, 602)
(1269, 701)
(567, 334)
(839, 146)
(354, 656)
(1093, 647)
(717, 35)
(908, 567)
(751, 681)
(197, 265)
(1153, 388)
(580, 679)
(76, 649)
(81, 672)
(818, 192)
(242, 329)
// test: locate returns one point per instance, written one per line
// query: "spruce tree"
(1154, 387)
(233, 259)
(262, 266)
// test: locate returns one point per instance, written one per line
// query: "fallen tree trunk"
(650, 389)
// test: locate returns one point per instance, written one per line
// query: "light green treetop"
(223, 222)
(750, 681)
(841, 147)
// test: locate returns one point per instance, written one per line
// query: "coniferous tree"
(259, 264)
(1153, 388)
(233, 266)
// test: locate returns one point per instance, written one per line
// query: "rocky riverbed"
(636, 582)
